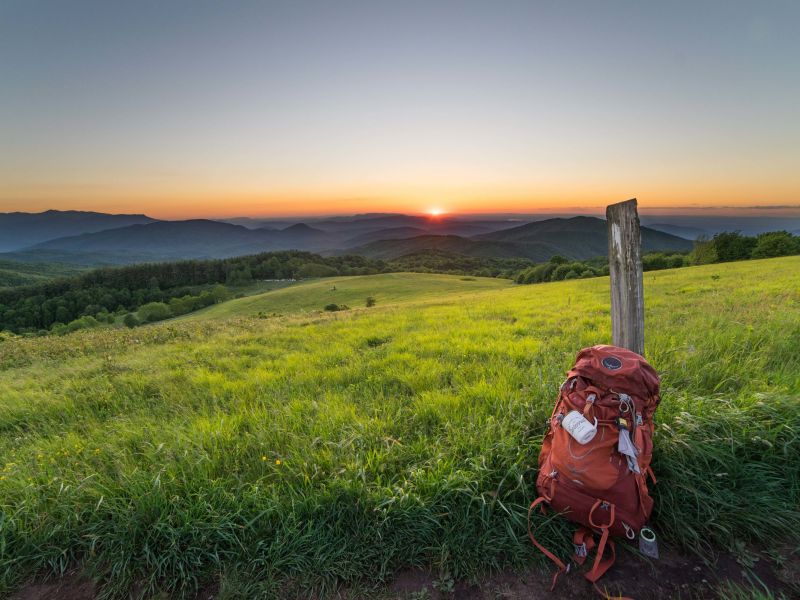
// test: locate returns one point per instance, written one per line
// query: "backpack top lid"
(618, 370)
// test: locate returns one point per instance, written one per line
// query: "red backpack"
(599, 479)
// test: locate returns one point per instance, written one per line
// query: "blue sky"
(209, 108)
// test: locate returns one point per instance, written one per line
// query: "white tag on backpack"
(579, 428)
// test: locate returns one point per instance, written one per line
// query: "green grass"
(407, 433)
(390, 288)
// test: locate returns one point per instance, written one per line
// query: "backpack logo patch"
(612, 363)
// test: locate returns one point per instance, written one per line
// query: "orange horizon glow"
(267, 210)
(221, 205)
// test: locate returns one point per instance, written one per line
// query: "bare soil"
(672, 576)
(70, 587)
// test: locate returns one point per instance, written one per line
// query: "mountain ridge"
(22, 229)
(576, 238)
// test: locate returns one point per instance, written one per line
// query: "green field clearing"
(390, 288)
(294, 453)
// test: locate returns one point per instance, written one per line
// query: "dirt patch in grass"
(674, 575)
(209, 592)
(75, 587)
(69, 587)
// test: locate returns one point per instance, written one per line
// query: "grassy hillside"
(389, 288)
(297, 452)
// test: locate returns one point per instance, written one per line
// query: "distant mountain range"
(576, 237)
(197, 238)
(19, 229)
(89, 238)
(693, 226)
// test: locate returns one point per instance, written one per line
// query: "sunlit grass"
(317, 448)
(388, 288)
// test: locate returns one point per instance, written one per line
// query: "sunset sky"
(183, 109)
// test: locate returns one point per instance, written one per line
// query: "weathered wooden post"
(625, 267)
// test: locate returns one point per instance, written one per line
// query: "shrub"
(654, 262)
(676, 261)
(733, 246)
(130, 320)
(85, 322)
(562, 270)
(104, 317)
(703, 253)
(154, 311)
(776, 243)
(540, 273)
(336, 307)
(182, 305)
(220, 293)
(370, 301)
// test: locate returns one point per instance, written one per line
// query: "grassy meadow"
(353, 291)
(312, 449)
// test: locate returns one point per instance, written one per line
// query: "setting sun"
(436, 212)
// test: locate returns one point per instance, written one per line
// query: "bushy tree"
(776, 243)
(154, 311)
(130, 320)
(220, 293)
(85, 322)
(654, 262)
(733, 246)
(184, 304)
(703, 253)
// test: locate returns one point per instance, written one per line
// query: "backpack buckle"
(580, 550)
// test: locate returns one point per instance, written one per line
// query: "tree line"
(730, 246)
(100, 295)
(723, 247)
(440, 261)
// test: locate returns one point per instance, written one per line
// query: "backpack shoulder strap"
(562, 568)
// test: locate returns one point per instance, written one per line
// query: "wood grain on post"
(625, 267)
